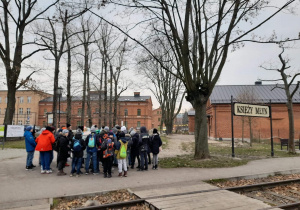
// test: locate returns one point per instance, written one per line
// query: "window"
(78, 123)
(126, 112)
(139, 112)
(21, 100)
(20, 122)
(158, 119)
(45, 111)
(125, 123)
(157, 112)
(5, 99)
(97, 110)
(20, 111)
(79, 111)
(160, 112)
(138, 124)
(13, 122)
(29, 99)
(28, 110)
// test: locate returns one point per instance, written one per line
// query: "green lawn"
(19, 144)
(221, 155)
(165, 141)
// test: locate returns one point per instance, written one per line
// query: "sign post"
(232, 131)
(2, 134)
(252, 110)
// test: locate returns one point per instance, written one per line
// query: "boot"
(61, 173)
(125, 173)
(155, 166)
(120, 174)
(105, 175)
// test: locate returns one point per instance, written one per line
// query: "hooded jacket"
(155, 143)
(78, 154)
(63, 147)
(118, 147)
(29, 141)
(45, 141)
(135, 142)
(144, 142)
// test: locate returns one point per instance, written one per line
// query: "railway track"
(261, 192)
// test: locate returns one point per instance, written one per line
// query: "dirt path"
(175, 145)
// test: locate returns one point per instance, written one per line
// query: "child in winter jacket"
(77, 147)
(155, 144)
(30, 147)
(121, 153)
(63, 151)
(108, 153)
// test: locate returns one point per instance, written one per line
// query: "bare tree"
(25, 14)
(287, 80)
(200, 34)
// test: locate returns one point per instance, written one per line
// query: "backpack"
(77, 146)
(123, 151)
(108, 145)
(145, 140)
(91, 141)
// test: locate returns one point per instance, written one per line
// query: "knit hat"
(106, 128)
(122, 134)
(28, 128)
(118, 127)
(155, 130)
(78, 131)
(68, 125)
(65, 131)
(132, 132)
(50, 128)
(93, 130)
(110, 133)
(80, 127)
(123, 128)
(114, 130)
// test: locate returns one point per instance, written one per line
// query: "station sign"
(251, 110)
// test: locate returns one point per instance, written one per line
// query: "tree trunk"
(115, 104)
(291, 127)
(100, 96)
(11, 101)
(105, 93)
(83, 97)
(87, 70)
(201, 143)
(69, 97)
(110, 96)
(55, 86)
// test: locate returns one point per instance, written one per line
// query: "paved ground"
(19, 185)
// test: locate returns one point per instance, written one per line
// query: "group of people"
(101, 147)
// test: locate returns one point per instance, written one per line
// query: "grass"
(18, 144)
(190, 162)
(165, 142)
(221, 155)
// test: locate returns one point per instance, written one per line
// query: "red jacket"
(44, 141)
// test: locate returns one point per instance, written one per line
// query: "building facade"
(26, 107)
(219, 113)
(156, 119)
(132, 111)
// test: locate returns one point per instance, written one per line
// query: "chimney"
(136, 94)
(258, 83)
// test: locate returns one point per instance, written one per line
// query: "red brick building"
(133, 111)
(156, 118)
(219, 113)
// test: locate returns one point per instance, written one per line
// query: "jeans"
(76, 162)
(107, 164)
(144, 160)
(133, 156)
(45, 159)
(155, 159)
(128, 158)
(29, 158)
(92, 155)
(122, 164)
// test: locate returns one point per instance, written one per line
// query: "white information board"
(15, 131)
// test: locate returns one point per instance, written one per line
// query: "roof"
(96, 97)
(191, 113)
(260, 93)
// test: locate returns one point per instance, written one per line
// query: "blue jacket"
(29, 141)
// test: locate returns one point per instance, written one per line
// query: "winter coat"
(63, 148)
(135, 143)
(144, 142)
(118, 147)
(78, 154)
(129, 140)
(29, 141)
(96, 144)
(155, 143)
(44, 141)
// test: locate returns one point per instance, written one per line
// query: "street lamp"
(59, 92)
(125, 112)
(18, 101)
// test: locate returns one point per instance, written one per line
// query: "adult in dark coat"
(134, 148)
(144, 148)
(155, 144)
(63, 151)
